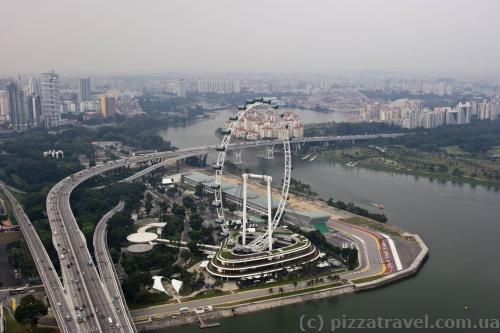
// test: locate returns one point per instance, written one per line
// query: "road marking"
(394, 250)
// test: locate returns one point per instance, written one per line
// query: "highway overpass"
(85, 287)
(56, 293)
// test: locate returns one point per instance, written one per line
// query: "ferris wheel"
(260, 242)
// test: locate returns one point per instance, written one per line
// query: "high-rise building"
(85, 93)
(489, 109)
(4, 113)
(108, 106)
(17, 113)
(218, 86)
(181, 88)
(463, 113)
(3, 83)
(34, 86)
(33, 110)
(51, 112)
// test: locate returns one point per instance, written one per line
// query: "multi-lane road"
(58, 295)
(107, 270)
(95, 309)
(86, 303)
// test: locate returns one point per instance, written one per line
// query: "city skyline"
(185, 163)
(252, 37)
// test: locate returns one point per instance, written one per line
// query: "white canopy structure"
(157, 285)
(177, 285)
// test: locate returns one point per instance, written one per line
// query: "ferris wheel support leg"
(244, 216)
(269, 215)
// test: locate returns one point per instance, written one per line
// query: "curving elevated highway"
(56, 294)
(87, 294)
(105, 264)
(175, 155)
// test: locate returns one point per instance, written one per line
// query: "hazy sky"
(157, 36)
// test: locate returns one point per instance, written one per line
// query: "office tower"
(3, 83)
(34, 86)
(218, 86)
(51, 113)
(108, 106)
(181, 88)
(33, 109)
(4, 113)
(85, 90)
(17, 114)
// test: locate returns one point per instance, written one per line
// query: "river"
(460, 223)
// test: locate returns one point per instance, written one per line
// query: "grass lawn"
(458, 166)
(366, 279)
(298, 280)
(290, 293)
(9, 237)
(206, 294)
(155, 299)
(362, 221)
(454, 150)
(495, 150)
(12, 326)
(226, 254)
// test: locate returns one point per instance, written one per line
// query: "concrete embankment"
(236, 310)
(230, 310)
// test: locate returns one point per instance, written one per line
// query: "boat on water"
(351, 164)
(313, 158)
(378, 205)
(305, 157)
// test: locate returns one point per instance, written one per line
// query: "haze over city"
(249, 166)
(292, 36)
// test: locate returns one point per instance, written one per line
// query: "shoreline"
(438, 177)
(227, 310)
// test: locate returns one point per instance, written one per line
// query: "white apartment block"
(257, 125)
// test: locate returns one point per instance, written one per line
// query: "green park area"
(463, 153)
(450, 163)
